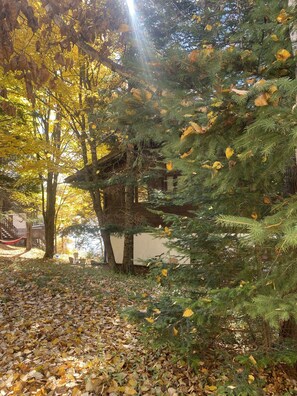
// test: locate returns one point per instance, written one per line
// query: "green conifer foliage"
(227, 106)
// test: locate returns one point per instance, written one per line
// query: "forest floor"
(62, 332)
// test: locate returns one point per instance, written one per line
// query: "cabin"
(150, 177)
(13, 225)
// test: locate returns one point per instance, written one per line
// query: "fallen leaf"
(130, 391)
(210, 388)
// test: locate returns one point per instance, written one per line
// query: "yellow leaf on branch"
(272, 89)
(175, 331)
(196, 127)
(251, 379)
(188, 131)
(187, 154)
(196, 18)
(262, 100)
(229, 152)
(164, 272)
(193, 56)
(206, 166)
(150, 320)
(274, 37)
(167, 231)
(188, 313)
(282, 16)
(253, 360)
(217, 165)
(282, 55)
(169, 166)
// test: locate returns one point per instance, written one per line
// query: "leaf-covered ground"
(62, 333)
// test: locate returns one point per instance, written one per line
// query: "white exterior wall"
(19, 221)
(146, 246)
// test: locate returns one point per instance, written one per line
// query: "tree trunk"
(29, 236)
(50, 195)
(128, 255)
(49, 215)
(96, 198)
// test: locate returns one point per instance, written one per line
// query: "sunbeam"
(131, 7)
(142, 42)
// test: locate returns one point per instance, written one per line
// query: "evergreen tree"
(228, 119)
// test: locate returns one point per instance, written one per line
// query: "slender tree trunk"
(49, 215)
(28, 236)
(128, 255)
(96, 198)
(49, 207)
